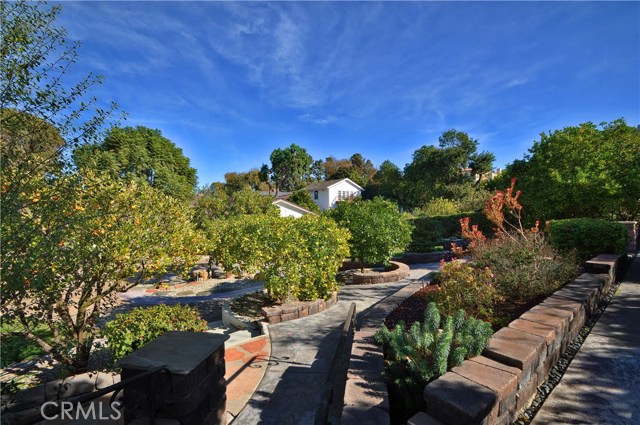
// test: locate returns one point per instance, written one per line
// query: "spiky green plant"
(417, 356)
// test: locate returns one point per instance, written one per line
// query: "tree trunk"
(361, 265)
(83, 351)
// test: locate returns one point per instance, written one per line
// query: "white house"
(326, 194)
(289, 209)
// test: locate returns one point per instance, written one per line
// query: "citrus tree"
(377, 229)
(76, 241)
(297, 258)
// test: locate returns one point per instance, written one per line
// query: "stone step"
(236, 336)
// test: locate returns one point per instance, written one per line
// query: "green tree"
(217, 202)
(302, 198)
(290, 167)
(356, 168)
(386, 182)
(377, 229)
(250, 180)
(142, 154)
(434, 169)
(78, 242)
(68, 239)
(581, 171)
(297, 258)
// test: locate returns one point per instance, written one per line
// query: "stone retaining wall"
(284, 313)
(24, 407)
(398, 272)
(494, 387)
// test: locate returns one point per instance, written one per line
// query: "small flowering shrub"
(463, 286)
(525, 266)
(130, 331)
(525, 270)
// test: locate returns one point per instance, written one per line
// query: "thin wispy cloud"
(233, 80)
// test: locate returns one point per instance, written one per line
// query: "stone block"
(504, 384)
(314, 308)
(271, 311)
(274, 319)
(560, 324)
(455, 400)
(290, 308)
(516, 348)
(322, 305)
(544, 331)
(553, 311)
(421, 418)
(304, 311)
(526, 393)
(288, 316)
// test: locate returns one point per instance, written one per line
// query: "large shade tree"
(436, 171)
(586, 170)
(290, 168)
(142, 154)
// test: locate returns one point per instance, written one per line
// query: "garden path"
(302, 351)
(602, 383)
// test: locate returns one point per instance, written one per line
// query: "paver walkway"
(245, 365)
(602, 383)
(302, 351)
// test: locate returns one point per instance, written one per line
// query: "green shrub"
(130, 331)
(589, 237)
(429, 231)
(415, 357)
(378, 229)
(525, 268)
(439, 207)
(463, 286)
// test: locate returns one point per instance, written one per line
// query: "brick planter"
(494, 387)
(286, 312)
(398, 272)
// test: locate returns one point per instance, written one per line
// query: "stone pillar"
(634, 236)
(192, 392)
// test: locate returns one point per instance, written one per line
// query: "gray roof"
(328, 183)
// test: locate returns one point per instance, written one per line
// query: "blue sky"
(228, 82)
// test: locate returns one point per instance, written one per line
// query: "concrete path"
(301, 355)
(602, 383)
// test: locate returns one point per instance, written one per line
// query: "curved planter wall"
(398, 272)
(284, 313)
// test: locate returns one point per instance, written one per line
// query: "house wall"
(286, 212)
(323, 199)
(344, 186)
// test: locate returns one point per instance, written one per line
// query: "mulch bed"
(412, 309)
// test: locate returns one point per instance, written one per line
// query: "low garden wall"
(398, 272)
(423, 257)
(494, 387)
(286, 312)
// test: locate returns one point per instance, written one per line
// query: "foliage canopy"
(377, 228)
(142, 154)
(581, 171)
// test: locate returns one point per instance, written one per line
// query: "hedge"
(428, 231)
(588, 236)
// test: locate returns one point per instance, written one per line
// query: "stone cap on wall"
(180, 352)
